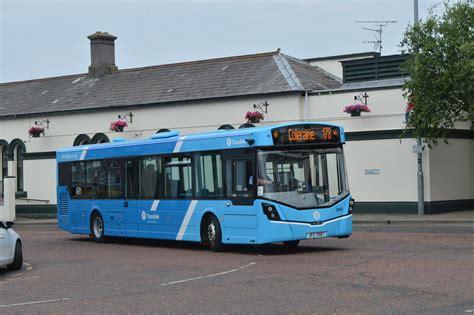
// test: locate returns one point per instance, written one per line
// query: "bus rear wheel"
(291, 244)
(214, 234)
(97, 228)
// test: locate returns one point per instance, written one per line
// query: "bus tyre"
(214, 234)
(17, 258)
(97, 228)
(291, 244)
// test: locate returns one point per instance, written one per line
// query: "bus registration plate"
(316, 234)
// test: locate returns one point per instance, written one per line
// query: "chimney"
(102, 54)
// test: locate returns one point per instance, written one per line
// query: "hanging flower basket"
(408, 110)
(254, 117)
(117, 126)
(36, 131)
(355, 109)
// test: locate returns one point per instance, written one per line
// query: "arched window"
(19, 154)
(16, 152)
(82, 140)
(100, 138)
(3, 165)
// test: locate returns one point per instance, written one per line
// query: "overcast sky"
(48, 38)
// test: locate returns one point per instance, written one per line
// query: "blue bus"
(281, 183)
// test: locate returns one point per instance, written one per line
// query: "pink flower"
(254, 116)
(35, 130)
(356, 108)
(118, 125)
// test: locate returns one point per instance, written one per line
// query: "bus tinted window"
(97, 179)
(239, 178)
(115, 179)
(209, 175)
(150, 177)
(64, 177)
(131, 179)
(178, 177)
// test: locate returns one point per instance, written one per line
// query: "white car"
(11, 254)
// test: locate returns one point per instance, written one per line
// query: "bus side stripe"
(186, 220)
(83, 153)
(154, 205)
(179, 144)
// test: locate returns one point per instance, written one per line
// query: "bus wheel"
(17, 259)
(214, 234)
(291, 244)
(97, 228)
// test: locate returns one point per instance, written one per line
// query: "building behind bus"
(196, 96)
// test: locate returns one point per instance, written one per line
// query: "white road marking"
(11, 279)
(469, 311)
(16, 275)
(186, 219)
(34, 302)
(211, 275)
(29, 267)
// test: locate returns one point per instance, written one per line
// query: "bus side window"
(178, 177)
(240, 178)
(65, 174)
(115, 176)
(131, 179)
(150, 174)
(209, 175)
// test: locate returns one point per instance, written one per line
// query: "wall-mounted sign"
(372, 171)
(299, 134)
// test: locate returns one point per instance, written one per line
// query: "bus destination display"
(300, 134)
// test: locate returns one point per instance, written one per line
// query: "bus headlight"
(271, 212)
(351, 205)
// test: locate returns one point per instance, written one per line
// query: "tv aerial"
(377, 32)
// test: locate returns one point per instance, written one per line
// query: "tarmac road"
(379, 269)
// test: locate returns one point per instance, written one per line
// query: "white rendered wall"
(334, 66)
(451, 170)
(187, 117)
(387, 110)
(396, 164)
(40, 181)
(394, 159)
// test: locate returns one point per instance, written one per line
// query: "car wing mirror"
(10, 225)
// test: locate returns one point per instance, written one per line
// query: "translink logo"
(146, 216)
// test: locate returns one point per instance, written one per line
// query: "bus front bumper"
(282, 231)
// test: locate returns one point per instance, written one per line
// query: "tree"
(441, 69)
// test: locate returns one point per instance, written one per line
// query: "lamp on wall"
(262, 106)
(358, 98)
(359, 106)
(43, 123)
(127, 117)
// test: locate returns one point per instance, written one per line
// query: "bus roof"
(173, 142)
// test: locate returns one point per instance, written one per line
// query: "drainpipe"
(306, 106)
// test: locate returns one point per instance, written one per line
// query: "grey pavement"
(457, 217)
